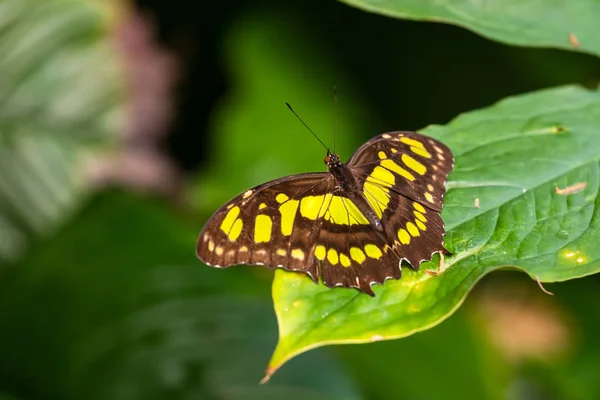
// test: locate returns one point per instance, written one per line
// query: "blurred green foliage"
(54, 54)
(101, 297)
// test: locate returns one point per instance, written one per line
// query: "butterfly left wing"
(419, 164)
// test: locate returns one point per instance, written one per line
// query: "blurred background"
(125, 124)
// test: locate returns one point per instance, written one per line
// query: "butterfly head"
(332, 160)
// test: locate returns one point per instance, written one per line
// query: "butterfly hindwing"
(358, 256)
(416, 232)
(355, 258)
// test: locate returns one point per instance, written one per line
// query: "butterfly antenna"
(335, 107)
(303, 123)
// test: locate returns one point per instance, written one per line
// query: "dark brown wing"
(420, 164)
(406, 193)
(300, 223)
(355, 256)
(411, 232)
(264, 226)
(402, 176)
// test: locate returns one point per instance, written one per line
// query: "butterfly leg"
(440, 267)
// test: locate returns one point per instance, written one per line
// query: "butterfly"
(352, 226)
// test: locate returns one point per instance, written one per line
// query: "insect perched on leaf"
(352, 226)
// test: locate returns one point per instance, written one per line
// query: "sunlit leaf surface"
(50, 110)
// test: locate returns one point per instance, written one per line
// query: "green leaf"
(59, 94)
(512, 157)
(526, 23)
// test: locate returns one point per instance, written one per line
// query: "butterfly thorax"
(350, 187)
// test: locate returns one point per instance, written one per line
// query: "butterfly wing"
(265, 225)
(353, 254)
(403, 176)
(420, 165)
(299, 223)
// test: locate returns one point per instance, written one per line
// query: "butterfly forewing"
(264, 226)
(419, 164)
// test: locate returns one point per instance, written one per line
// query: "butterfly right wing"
(300, 223)
(264, 226)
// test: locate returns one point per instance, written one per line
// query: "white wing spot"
(298, 254)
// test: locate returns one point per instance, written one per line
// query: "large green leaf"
(512, 157)
(563, 24)
(59, 92)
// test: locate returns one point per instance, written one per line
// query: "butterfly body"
(347, 184)
(353, 225)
